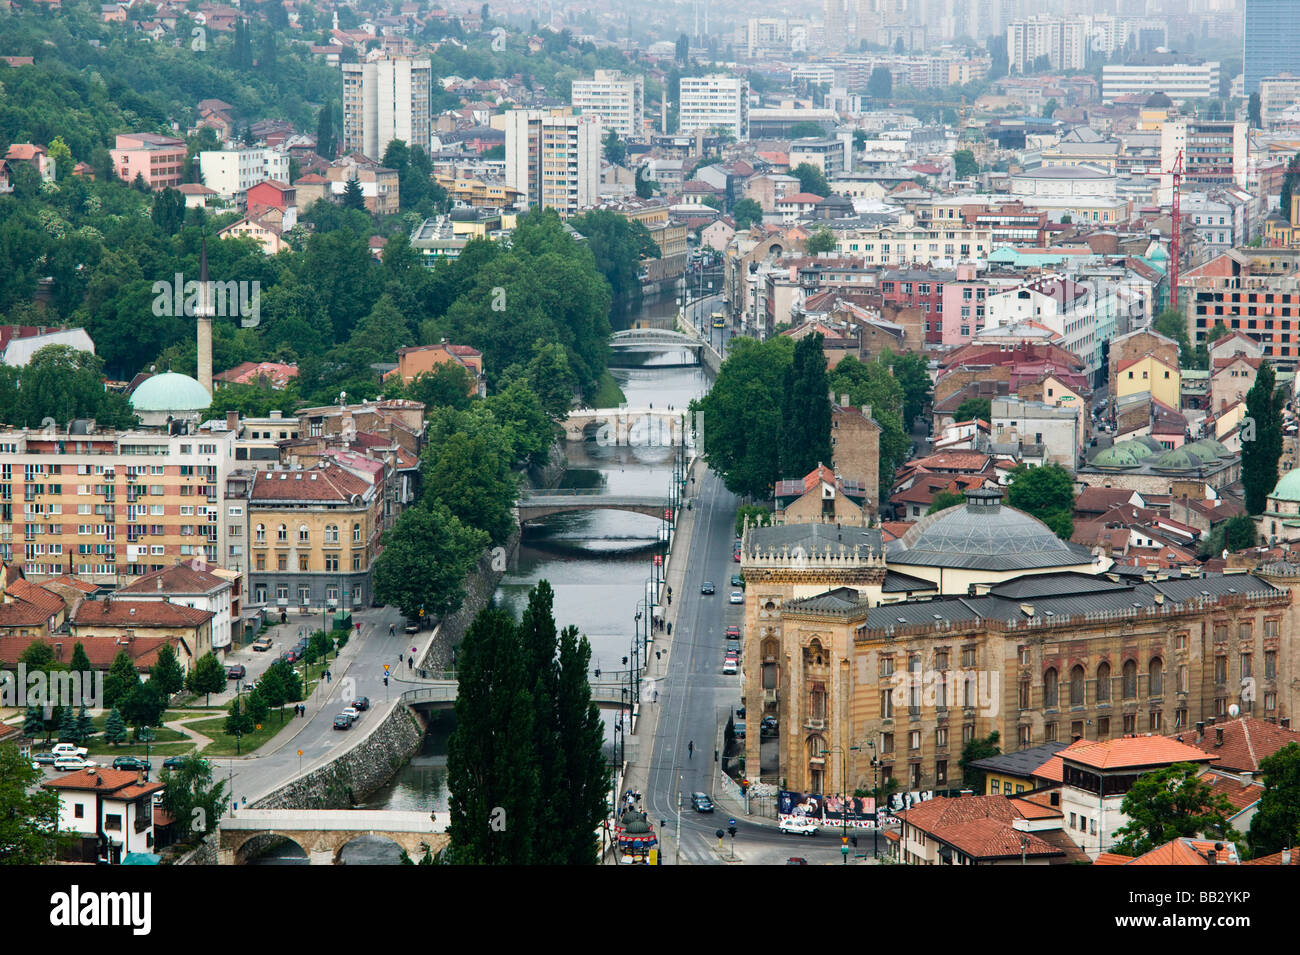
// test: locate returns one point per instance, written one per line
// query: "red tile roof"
(1112, 858)
(138, 613)
(101, 651)
(1132, 751)
(1276, 858)
(329, 483)
(1189, 852)
(176, 579)
(1246, 741)
(1239, 793)
(993, 839)
(120, 784)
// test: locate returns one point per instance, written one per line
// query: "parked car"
(342, 722)
(737, 597)
(291, 656)
(131, 762)
(173, 762)
(44, 759)
(796, 860)
(701, 802)
(738, 727)
(236, 671)
(72, 762)
(769, 726)
(729, 665)
(738, 581)
(361, 703)
(733, 632)
(262, 644)
(68, 749)
(352, 713)
(798, 825)
(706, 587)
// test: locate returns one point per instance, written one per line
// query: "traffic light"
(854, 839)
(385, 679)
(732, 830)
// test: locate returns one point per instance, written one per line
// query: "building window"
(1247, 667)
(941, 738)
(886, 704)
(941, 772)
(1024, 695)
(886, 666)
(1220, 668)
(331, 533)
(302, 563)
(1245, 632)
(886, 742)
(1103, 727)
(260, 562)
(356, 533)
(282, 533)
(1076, 686)
(1270, 664)
(967, 733)
(1157, 721)
(282, 562)
(1026, 736)
(261, 533)
(1156, 677)
(331, 563)
(1130, 724)
(914, 740)
(304, 596)
(1050, 688)
(1129, 684)
(1049, 732)
(304, 535)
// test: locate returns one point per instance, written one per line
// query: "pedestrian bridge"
(631, 427)
(323, 833)
(535, 505)
(441, 694)
(635, 339)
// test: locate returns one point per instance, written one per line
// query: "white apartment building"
(553, 158)
(905, 242)
(1178, 81)
(1063, 40)
(717, 101)
(108, 812)
(617, 98)
(1276, 93)
(232, 172)
(386, 100)
(1066, 307)
(1214, 154)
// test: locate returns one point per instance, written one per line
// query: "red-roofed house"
(264, 374)
(423, 359)
(273, 194)
(192, 585)
(976, 830)
(188, 629)
(1239, 745)
(34, 155)
(110, 809)
(797, 205)
(821, 497)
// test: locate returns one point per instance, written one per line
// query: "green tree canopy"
(1167, 804)
(1046, 493)
(745, 213)
(871, 384)
(207, 676)
(964, 165)
(425, 559)
(29, 814)
(193, 798)
(977, 749)
(811, 179)
(806, 411)
(944, 500)
(821, 240)
(1261, 439)
(972, 408)
(1276, 824)
(166, 673)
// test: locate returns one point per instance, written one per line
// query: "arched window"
(1050, 689)
(1156, 677)
(1103, 682)
(282, 533)
(261, 533)
(304, 535)
(356, 533)
(331, 533)
(818, 701)
(1076, 686)
(1130, 680)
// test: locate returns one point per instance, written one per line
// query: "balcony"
(813, 724)
(770, 696)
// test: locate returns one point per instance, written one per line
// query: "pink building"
(159, 160)
(963, 302)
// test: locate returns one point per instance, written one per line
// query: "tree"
(166, 673)
(168, 211)
(1050, 108)
(353, 197)
(964, 165)
(1046, 493)
(85, 725)
(806, 411)
(944, 500)
(1172, 324)
(425, 559)
(61, 157)
(326, 143)
(821, 240)
(492, 772)
(68, 726)
(618, 245)
(207, 677)
(911, 372)
(33, 722)
(872, 384)
(745, 213)
(1236, 533)
(579, 730)
(80, 662)
(615, 151)
(143, 705)
(1253, 111)
(811, 179)
(977, 749)
(29, 814)
(122, 678)
(805, 129)
(114, 727)
(39, 655)
(1171, 803)
(257, 707)
(1276, 824)
(1261, 439)
(756, 514)
(471, 475)
(972, 408)
(880, 85)
(193, 798)
(238, 722)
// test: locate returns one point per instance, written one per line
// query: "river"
(596, 561)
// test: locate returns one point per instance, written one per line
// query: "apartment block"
(1178, 81)
(553, 158)
(715, 102)
(386, 100)
(111, 506)
(1214, 154)
(617, 98)
(1276, 93)
(232, 172)
(158, 160)
(1063, 40)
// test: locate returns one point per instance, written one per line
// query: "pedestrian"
(410, 664)
(670, 630)
(656, 697)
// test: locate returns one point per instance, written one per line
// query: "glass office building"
(1272, 40)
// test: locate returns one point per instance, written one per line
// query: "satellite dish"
(1233, 710)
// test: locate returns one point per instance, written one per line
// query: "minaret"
(204, 315)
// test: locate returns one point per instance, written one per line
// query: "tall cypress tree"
(1260, 451)
(580, 801)
(537, 633)
(806, 411)
(491, 767)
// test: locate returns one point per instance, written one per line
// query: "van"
(71, 762)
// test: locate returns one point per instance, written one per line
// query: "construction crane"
(1175, 228)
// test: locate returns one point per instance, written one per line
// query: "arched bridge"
(441, 694)
(535, 505)
(322, 833)
(631, 427)
(644, 338)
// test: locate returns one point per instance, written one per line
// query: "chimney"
(1218, 736)
(844, 400)
(139, 777)
(158, 581)
(1200, 730)
(1286, 856)
(232, 421)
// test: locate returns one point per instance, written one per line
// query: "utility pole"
(677, 856)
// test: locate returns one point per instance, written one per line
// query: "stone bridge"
(441, 694)
(322, 833)
(644, 339)
(535, 505)
(631, 427)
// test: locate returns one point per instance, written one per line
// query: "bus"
(718, 320)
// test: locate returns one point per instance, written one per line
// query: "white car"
(737, 597)
(729, 665)
(68, 749)
(72, 762)
(799, 825)
(352, 713)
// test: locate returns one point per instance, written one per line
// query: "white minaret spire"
(204, 315)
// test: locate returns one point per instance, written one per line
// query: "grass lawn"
(100, 748)
(609, 394)
(223, 745)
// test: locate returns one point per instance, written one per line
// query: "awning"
(141, 858)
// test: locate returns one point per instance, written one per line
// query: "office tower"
(1272, 42)
(553, 158)
(837, 25)
(386, 100)
(615, 97)
(717, 101)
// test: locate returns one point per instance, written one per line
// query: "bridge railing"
(566, 492)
